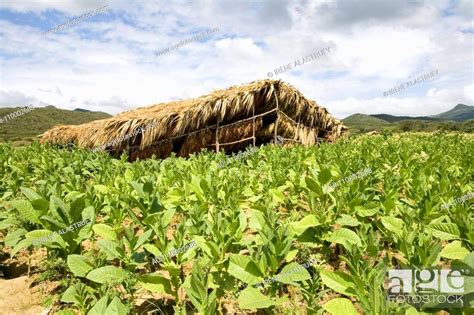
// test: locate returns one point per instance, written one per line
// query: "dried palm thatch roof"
(227, 119)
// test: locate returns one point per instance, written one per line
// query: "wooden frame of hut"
(228, 120)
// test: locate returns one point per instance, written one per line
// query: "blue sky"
(108, 62)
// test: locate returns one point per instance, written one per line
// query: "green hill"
(392, 119)
(360, 123)
(459, 113)
(40, 119)
(362, 119)
(459, 118)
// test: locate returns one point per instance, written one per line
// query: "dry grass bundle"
(187, 126)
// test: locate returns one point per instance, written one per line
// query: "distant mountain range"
(459, 114)
(40, 119)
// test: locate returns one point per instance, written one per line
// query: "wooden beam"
(278, 116)
(217, 135)
(253, 123)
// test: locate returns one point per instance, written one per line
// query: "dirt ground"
(20, 294)
(17, 298)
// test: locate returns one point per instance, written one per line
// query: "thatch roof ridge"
(178, 118)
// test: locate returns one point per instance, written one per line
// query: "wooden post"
(217, 135)
(253, 123)
(297, 129)
(276, 121)
(128, 148)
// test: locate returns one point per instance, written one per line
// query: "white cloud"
(109, 63)
(469, 93)
(70, 7)
(16, 99)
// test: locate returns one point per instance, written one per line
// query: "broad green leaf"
(100, 307)
(469, 261)
(244, 269)
(59, 209)
(79, 265)
(9, 222)
(167, 216)
(345, 237)
(71, 296)
(313, 185)
(291, 255)
(251, 298)
(411, 311)
(324, 176)
(363, 212)
(110, 249)
(204, 245)
(38, 234)
(45, 237)
(394, 225)
(340, 306)
(194, 187)
(338, 281)
(138, 188)
(107, 274)
(277, 195)
(148, 188)
(155, 283)
(129, 175)
(142, 239)
(298, 228)
(242, 222)
(105, 231)
(257, 221)
(30, 194)
(454, 250)
(76, 208)
(195, 288)
(116, 308)
(445, 231)
(153, 219)
(292, 273)
(152, 249)
(14, 237)
(389, 204)
(73, 195)
(19, 246)
(57, 225)
(85, 232)
(88, 213)
(347, 220)
(26, 211)
(101, 188)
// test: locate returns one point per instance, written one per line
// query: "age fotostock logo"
(443, 286)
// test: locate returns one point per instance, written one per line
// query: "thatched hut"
(229, 120)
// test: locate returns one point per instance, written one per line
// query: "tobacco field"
(267, 235)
